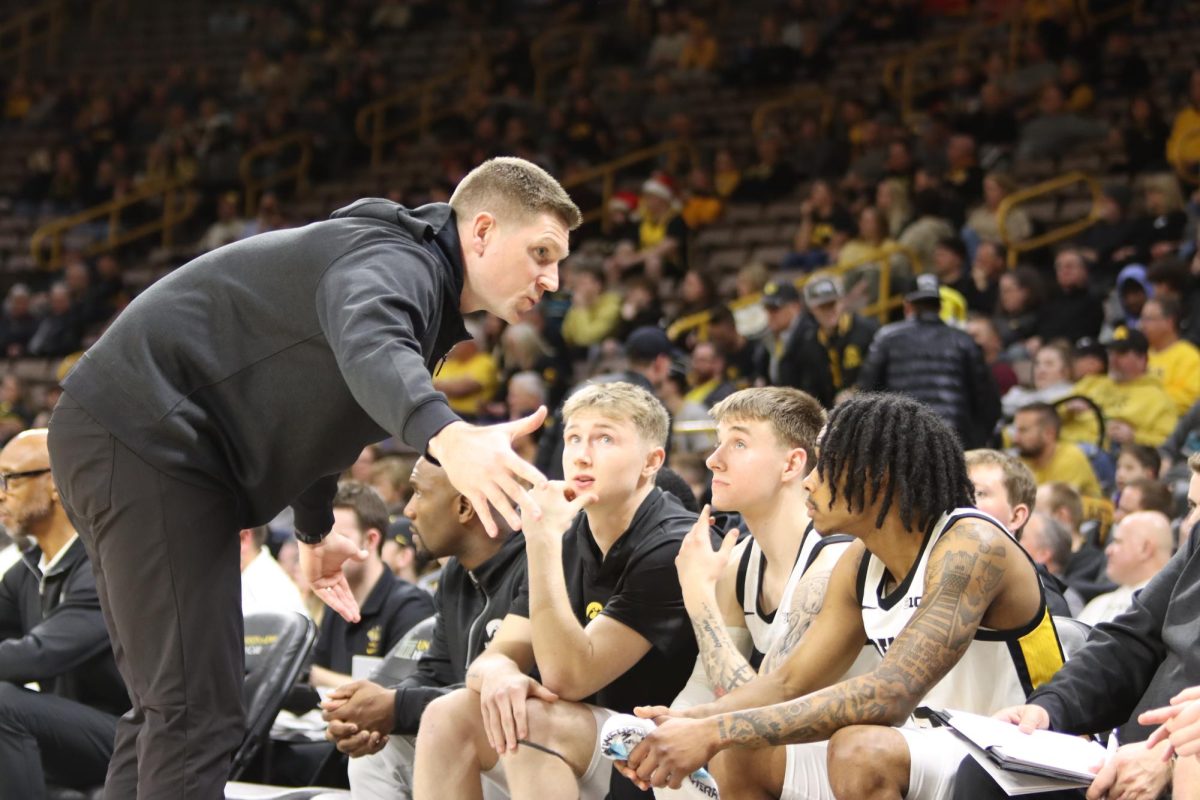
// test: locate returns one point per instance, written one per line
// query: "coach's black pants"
(44, 737)
(165, 555)
(973, 783)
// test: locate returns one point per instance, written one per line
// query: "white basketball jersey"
(999, 668)
(766, 628)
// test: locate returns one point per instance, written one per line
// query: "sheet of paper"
(1051, 750)
(1016, 784)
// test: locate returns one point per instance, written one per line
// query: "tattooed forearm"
(726, 668)
(960, 585)
(806, 602)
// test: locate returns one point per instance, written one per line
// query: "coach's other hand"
(322, 566)
(1028, 718)
(480, 462)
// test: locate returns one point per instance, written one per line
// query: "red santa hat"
(660, 184)
(623, 201)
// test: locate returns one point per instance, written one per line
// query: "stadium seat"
(402, 659)
(276, 647)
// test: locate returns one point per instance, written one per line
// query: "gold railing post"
(371, 121)
(253, 185)
(796, 98)
(1016, 248)
(882, 306)
(544, 66)
(168, 218)
(53, 232)
(607, 172)
(40, 24)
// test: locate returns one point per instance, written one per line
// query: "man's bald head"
(26, 452)
(1139, 547)
(1154, 528)
(29, 500)
(444, 522)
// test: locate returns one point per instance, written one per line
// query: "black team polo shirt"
(392, 607)
(637, 585)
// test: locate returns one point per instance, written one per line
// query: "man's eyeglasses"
(5, 477)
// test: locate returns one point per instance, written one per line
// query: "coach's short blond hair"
(623, 402)
(1019, 483)
(795, 416)
(1194, 462)
(513, 188)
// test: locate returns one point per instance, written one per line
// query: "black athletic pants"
(973, 783)
(165, 555)
(44, 737)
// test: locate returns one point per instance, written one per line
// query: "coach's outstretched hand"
(480, 462)
(322, 566)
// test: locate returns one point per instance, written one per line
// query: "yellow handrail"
(1016, 248)
(23, 33)
(1084, 9)
(900, 72)
(800, 97)
(880, 308)
(256, 184)
(178, 202)
(608, 172)
(545, 66)
(371, 123)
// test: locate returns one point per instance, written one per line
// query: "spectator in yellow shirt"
(594, 313)
(700, 49)
(1035, 436)
(1142, 412)
(1174, 361)
(1089, 368)
(1183, 148)
(468, 379)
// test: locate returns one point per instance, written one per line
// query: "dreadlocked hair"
(889, 447)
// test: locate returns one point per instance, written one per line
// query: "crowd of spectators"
(1082, 361)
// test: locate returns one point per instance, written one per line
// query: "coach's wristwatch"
(309, 538)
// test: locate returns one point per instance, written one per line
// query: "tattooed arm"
(713, 609)
(966, 573)
(708, 579)
(806, 602)
(682, 742)
(825, 651)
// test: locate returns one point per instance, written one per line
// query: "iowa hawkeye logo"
(593, 610)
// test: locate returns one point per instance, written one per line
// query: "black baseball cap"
(1087, 346)
(647, 343)
(819, 291)
(925, 287)
(1127, 339)
(780, 293)
(400, 531)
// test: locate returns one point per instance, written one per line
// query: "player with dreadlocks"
(943, 593)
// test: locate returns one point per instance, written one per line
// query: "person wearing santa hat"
(659, 250)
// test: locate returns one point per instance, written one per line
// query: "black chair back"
(402, 659)
(277, 645)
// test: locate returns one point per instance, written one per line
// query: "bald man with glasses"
(51, 633)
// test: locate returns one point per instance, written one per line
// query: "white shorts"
(933, 754)
(806, 776)
(593, 784)
(387, 775)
